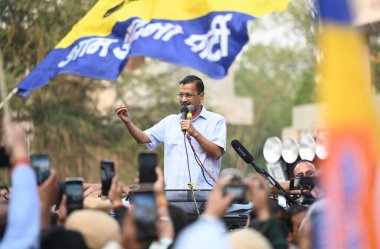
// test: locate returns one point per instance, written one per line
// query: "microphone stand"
(272, 181)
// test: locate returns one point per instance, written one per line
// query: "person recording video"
(303, 184)
(305, 174)
(194, 140)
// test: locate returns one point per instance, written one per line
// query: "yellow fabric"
(345, 78)
(94, 22)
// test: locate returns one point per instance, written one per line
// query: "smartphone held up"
(147, 167)
(107, 172)
(145, 215)
(41, 164)
(74, 194)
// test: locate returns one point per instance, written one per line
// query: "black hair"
(179, 218)
(59, 238)
(3, 219)
(292, 211)
(4, 186)
(301, 161)
(193, 79)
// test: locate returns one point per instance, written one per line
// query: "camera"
(238, 191)
(304, 183)
(235, 185)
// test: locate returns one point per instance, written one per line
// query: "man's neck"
(197, 112)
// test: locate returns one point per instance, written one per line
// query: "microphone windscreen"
(242, 151)
(190, 108)
(184, 109)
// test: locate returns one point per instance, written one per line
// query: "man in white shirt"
(204, 135)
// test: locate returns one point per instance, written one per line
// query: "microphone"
(242, 151)
(190, 109)
(248, 158)
(184, 112)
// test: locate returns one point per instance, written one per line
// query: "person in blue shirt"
(23, 221)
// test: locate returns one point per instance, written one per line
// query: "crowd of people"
(51, 214)
(30, 219)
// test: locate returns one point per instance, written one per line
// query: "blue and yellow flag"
(349, 178)
(203, 34)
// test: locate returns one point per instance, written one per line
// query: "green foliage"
(277, 75)
(374, 46)
(67, 124)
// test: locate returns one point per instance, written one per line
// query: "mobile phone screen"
(41, 164)
(294, 184)
(145, 215)
(145, 203)
(107, 172)
(147, 167)
(74, 193)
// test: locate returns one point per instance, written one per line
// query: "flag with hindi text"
(206, 35)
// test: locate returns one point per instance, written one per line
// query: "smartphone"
(41, 165)
(4, 158)
(145, 215)
(58, 197)
(74, 193)
(107, 172)
(238, 191)
(147, 167)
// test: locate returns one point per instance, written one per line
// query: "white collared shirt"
(168, 131)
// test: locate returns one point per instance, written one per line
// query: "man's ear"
(290, 237)
(202, 95)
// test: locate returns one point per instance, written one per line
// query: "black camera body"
(238, 191)
(302, 183)
(237, 188)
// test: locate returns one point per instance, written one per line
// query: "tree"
(278, 73)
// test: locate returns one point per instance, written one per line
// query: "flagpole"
(4, 103)
(3, 89)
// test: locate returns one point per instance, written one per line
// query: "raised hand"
(122, 112)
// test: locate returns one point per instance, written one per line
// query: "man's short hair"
(193, 79)
(303, 161)
(4, 186)
(292, 211)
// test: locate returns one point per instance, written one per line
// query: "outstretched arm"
(24, 208)
(135, 132)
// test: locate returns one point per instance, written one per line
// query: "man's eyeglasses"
(187, 95)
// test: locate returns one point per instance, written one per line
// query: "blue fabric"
(338, 11)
